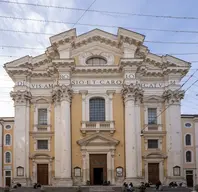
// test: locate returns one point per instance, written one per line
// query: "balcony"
(102, 126)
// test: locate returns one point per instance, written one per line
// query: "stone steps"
(70, 189)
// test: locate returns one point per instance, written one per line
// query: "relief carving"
(61, 92)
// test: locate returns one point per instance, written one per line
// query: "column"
(130, 137)
(130, 94)
(1, 153)
(174, 132)
(65, 128)
(21, 135)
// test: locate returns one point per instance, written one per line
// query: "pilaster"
(62, 94)
(174, 133)
(21, 135)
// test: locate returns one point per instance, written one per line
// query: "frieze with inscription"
(94, 82)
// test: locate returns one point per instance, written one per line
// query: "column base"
(174, 179)
(25, 182)
(63, 182)
(135, 180)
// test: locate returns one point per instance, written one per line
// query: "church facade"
(97, 107)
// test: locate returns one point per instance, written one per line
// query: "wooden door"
(42, 174)
(153, 172)
(8, 181)
(97, 161)
(189, 180)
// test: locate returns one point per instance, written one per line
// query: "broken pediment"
(98, 139)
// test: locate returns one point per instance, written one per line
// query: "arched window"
(188, 156)
(96, 61)
(188, 139)
(97, 109)
(7, 139)
(7, 157)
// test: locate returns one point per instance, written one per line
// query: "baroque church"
(97, 107)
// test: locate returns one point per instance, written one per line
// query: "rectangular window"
(42, 116)
(152, 144)
(8, 173)
(42, 144)
(152, 116)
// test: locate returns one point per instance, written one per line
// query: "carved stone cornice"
(63, 63)
(130, 41)
(19, 71)
(95, 38)
(132, 92)
(173, 96)
(21, 97)
(61, 93)
(96, 69)
(131, 62)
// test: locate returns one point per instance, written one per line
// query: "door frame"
(193, 175)
(47, 170)
(34, 169)
(91, 170)
(161, 168)
(4, 178)
(157, 167)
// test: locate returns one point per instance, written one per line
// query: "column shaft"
(130, 139)
(66, 139)
(57, 140)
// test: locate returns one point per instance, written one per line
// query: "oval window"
(8, 127)
(188, 125)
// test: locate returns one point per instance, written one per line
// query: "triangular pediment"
(98, 139)
(153, 99)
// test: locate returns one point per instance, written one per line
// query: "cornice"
(130, 62)
(96, 69)
(96, 38)
(63, 63)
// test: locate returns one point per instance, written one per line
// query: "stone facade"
(131, 82)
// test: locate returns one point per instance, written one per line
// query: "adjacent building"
(97, 107)
(6, 150)
(190, 144)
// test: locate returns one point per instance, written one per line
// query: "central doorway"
(98, 168)
(153, 173)
(42, 174)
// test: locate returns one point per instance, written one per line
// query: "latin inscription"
(93, 82)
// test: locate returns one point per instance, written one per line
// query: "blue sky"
(151, 7)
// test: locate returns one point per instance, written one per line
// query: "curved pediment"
(98, 140)
(40, 156)
(154, 155)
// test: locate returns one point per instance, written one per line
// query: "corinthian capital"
(173, 96)
(20, 97)
(132, 91)
(61, 92)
